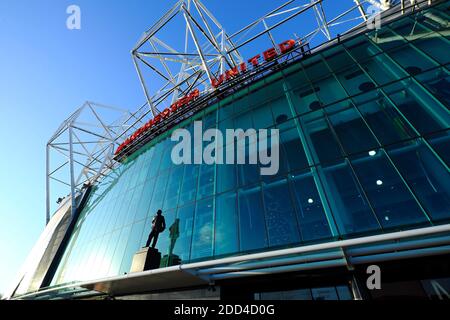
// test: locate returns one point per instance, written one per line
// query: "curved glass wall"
(364, 130)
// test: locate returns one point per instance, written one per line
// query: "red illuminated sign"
(268, 55)
(160, 117)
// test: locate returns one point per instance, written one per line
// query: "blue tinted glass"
(182, 247)
(226, 177)
(382, 117)
(323, 143)
(389, 196)
(173, 187)
(420, 108)
(437, 81)
(203, 236)
(281, 220)
(227, 224)
(291, 144)
(348, 201)
(350, 128)
(132, 247)
(251, 220)
(441, 144)
(427, 177)
(189, 187)
(165, 237)
(310, 210)
(206, 183)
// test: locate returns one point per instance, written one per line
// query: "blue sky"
(47, 71)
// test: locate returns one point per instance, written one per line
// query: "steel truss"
(208, 50)
(81, 150)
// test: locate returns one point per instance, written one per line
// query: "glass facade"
(364, 130)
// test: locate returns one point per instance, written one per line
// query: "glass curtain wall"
(364, 130)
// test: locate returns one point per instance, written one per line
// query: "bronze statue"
(158, 226)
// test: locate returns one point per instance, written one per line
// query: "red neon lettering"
(270, 54)
(217, 82)
(243, 67)
(165, 113)
(287, 46)
(255, 60)
(232, 73)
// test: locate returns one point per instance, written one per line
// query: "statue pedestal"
(146, 259)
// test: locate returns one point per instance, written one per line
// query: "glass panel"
(189, 188)
(182, 247)
(173, 188)
(321, 294)
(203, 236)
(329, 90)
(337, 58)
(292, 146)
(427, 177)
(386, 39)
(435, 46)
(384, 120)
(350, 128)
(132, 247)
(441, 144)
(280, 216)
(251, 220)
(361, 49)
(412, 60)
(353, 213)
(323, 144)
(165, 238)
(227, 236)
(438, 83)
(310, 210)
(206, 183)
(426, 114)
(383, 70)
(389, 196)
(355, 80)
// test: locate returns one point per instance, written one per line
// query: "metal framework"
(178, 60)
(208, 50)
(81, 150)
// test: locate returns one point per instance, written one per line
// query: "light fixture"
(372, 153)
(379, 182)
(310, 201)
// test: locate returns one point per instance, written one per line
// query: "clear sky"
(47, 71)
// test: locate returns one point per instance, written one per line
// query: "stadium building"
(363, 180)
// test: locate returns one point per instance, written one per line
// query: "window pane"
(310, 210)
(389, 196)
(251, 220)
(350, 128)
(203, 236)
(349, 204)
(441, 144)
(132, 246)
(189, 188)
(323, 144)
(426, 175)
(426, 114)
(384, 120)
(294, 153)
(226, 238)
(282, 225)
(438, 83)
(182, 247)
